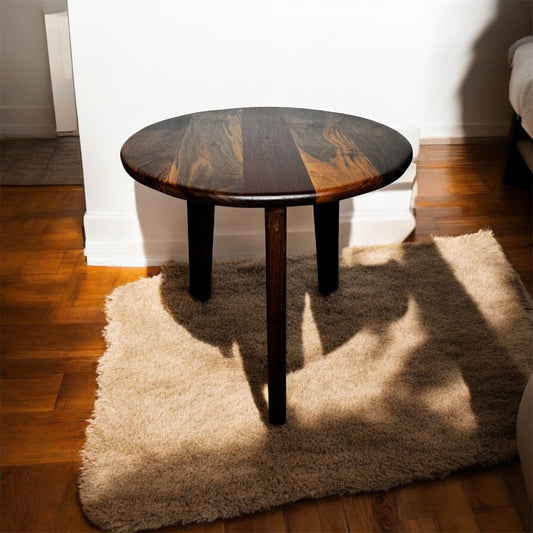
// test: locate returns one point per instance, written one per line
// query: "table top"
(266, 156)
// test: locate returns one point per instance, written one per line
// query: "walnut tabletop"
(273, 158)
(253, 157)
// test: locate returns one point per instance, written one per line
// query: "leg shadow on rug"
(412, 369)
(374, 297)
(235, 317)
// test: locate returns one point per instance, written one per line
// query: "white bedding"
(521, 83)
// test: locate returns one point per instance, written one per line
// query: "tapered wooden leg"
(276, 244)
(327, 246)
(200, 224)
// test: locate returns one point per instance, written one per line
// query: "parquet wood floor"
(51, 322)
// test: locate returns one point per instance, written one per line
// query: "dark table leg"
(200, 224)
(327, 246)
(276, 257)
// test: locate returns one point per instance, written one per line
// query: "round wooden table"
(273, 158)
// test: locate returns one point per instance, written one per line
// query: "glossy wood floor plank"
(332, 516)
(52, 315)
(269, 521)
(303, 517)
(30, 394)
(499, 520)
(359, 512)
(42, 437)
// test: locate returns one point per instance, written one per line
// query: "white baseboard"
(435, 133)
(357, 230)
(40, 131)
(379, 217)
(27, 121)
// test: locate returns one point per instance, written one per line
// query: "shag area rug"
(412, 369)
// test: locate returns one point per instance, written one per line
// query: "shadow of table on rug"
(373, 298)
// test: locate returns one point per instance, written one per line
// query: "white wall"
(468, 72)
(157, 59)
(411, 64)
(26, 105)
(467, 43)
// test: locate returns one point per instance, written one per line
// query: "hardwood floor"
(51, 323)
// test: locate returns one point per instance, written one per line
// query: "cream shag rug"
(412, 369)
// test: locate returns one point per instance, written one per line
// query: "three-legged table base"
(200, 219)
